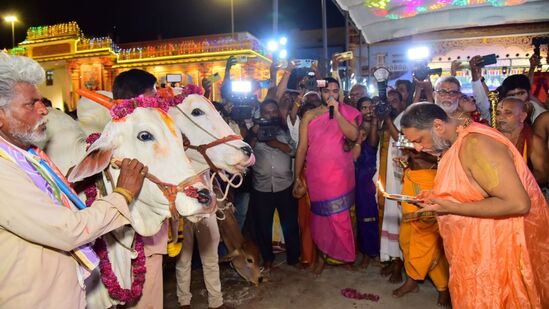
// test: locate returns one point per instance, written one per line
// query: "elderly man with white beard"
(447, 94)
(43, 239)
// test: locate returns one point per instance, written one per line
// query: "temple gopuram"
(73, 61)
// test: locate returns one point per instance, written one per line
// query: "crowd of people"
(472, 215)
(346, 143)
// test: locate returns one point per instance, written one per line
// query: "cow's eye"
(250, 261)
(145, 136)
(197, 112)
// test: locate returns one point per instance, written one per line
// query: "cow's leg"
(207, 236)
(287, 209)
(264, 206)
(183, 265)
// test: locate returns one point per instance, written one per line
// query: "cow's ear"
(230, 256)
(96, 160)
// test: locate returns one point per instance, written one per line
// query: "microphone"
(331, 109)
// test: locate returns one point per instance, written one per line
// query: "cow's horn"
(96, 97)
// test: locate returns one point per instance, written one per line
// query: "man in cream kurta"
(38, 228)
(36, 234)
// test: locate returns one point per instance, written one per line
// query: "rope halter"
(186, 187)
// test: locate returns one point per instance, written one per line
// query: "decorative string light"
(410, 8)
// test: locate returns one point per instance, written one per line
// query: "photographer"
(272, 184)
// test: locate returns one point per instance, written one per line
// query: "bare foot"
(444, 299)
(319, 267)
(387, 269)
(375, 261)
(365, 262)
(396, 272)
(349, 267)
(410, 286)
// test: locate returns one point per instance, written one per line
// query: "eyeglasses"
(516, 94)
(452, 93)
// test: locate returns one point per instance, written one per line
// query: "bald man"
(510, 120)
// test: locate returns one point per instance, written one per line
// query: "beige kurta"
(153, 289)
(36, 270)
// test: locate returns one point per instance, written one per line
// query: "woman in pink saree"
(329, 174)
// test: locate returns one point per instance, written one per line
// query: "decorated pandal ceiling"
(381, 20)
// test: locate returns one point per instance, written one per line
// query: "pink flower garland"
(123, 108)
(354, 294)
(107, 275)
(109, 279)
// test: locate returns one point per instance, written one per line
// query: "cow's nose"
(204, 196)
(247, 150)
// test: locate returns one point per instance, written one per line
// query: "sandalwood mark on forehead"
(484, 170)
(168, 121)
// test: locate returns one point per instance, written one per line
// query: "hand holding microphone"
(332, 105)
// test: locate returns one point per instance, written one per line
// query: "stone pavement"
(289, 287)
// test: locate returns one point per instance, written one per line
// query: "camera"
(345, 56)
(304, 63)
(311, 83)
(381, 106)
(268, 129)
(242, 99)
(423, 72)
(485, 60)
(488, 60)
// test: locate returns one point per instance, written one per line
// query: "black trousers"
(263, 205)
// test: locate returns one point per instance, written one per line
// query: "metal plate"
(402, 198)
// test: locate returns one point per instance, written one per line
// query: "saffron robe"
(494, 263)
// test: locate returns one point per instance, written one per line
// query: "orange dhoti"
(420, 240)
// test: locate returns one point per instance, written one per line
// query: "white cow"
(197, 118)
(150, 136)
(92, 117)
(65, 141)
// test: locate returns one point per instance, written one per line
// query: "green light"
(460, 2)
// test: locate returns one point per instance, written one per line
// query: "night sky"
(131, 21)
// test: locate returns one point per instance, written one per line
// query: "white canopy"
(382, 20)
